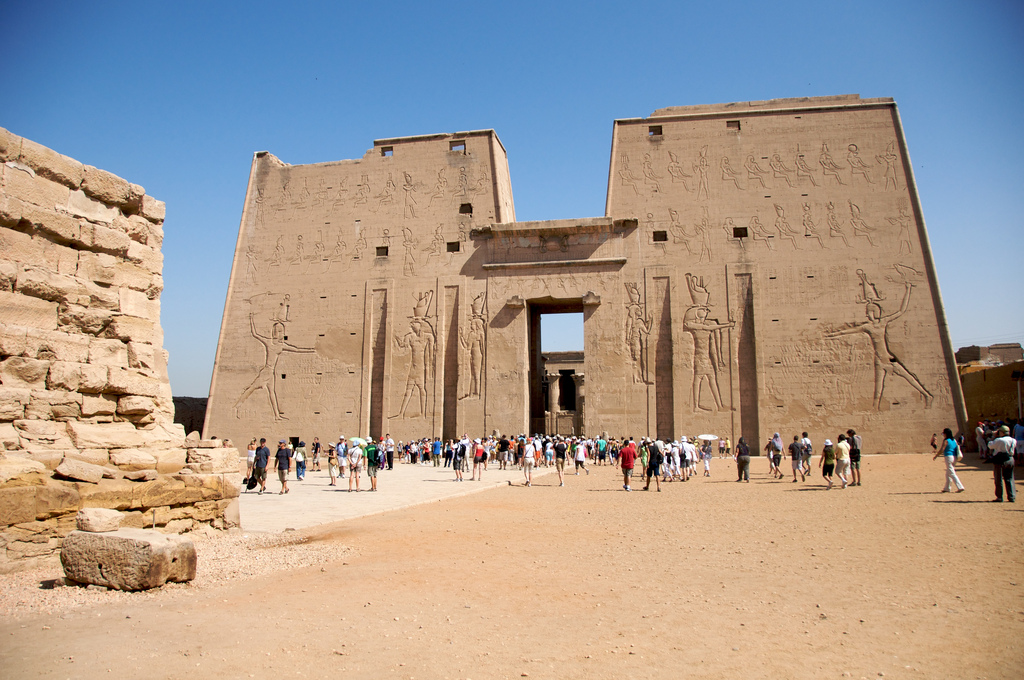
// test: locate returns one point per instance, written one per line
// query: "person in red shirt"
(627, 458)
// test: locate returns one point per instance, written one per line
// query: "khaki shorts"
(282, 475)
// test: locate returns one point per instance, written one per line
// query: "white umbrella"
(358, 441)
(708, 437)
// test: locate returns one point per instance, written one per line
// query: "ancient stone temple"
(760, 267)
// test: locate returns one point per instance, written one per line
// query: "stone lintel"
(596, 261)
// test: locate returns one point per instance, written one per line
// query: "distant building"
(993, 355)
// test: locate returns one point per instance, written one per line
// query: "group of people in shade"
(659, 461)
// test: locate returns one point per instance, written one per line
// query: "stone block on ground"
(214, 460)
(133, 459)
(128, 559)
(105, 435)
(78, 471)
(141, 475)
(13, 467)
(98, 520)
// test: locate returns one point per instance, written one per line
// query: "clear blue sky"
(177, 96)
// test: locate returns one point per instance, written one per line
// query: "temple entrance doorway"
(556, 366)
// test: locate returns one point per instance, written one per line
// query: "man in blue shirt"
(260, 464)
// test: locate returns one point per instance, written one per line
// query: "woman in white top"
(529, 456)
(355, 462)
(250, 458)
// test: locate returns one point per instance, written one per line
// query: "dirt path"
(710, 578)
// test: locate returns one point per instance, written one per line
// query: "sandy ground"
(709, 578)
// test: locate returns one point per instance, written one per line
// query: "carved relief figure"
(259, 201)
(320, 197)
(782, 226)
(835, 229)
(860, 227)
(299, 250)
(437, 245)
(420, 341)
(649, 177)
(463, 189)
(274, 346)
(409, 262)
(341, 196)
(638, 328)
(707, 343)
(679, 234)
(339, 248)
(278, 251)
(759, 231)
(627, 176)
(410, 201)
(829, 167)
(730, 231)
(473, 340)
(890, 158)
(363, 190)
(703, 232)
(810, 228)
(779, 169)
(319, 249)
(876, 328)
(701, 168)
(755, 172)
(675, 170)
(440, 186)
(903, 222)
(252, 258)
(728, 174)
(387, 194)
(804, 170)
(357, 251)
(857, 164)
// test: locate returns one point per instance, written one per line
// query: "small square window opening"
(453, 246)
(654, 131)
(733, 125)
(387, 151)
(739, 232)
(466, 209)
(382, 251)
(458, 147)
(660, 236)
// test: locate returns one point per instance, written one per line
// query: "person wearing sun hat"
(827, 462)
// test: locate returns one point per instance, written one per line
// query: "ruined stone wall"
(86, 414)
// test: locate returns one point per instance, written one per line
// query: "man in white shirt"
(1002, 448)
(529, 457)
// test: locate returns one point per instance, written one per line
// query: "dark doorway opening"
(540, 381)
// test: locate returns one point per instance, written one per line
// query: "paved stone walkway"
(313, 501)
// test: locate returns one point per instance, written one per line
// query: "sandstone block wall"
(86, 416)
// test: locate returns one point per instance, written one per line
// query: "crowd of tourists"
(359, 461)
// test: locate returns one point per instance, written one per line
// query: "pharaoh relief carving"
(889, 158)
(857, 164)
(786, 232)
(810, 228)
(473, 341)
(860, 227)
(274, 345)
(876, 328)
(804, 171)
(780, 171)
(728, 174)
(829, 167)
(708, 344)
(755, 173)
(627, 176)
(420, 342)
(638, 328)
(676, 172)
(903, 222)
(701, 169)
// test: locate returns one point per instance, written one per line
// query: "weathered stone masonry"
(86, 417)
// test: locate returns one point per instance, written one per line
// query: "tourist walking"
(332, 464)
(654, 461)
(949, 451)
(389, 451)
(529, 458)
(855, 443)
(342, 451)
(260, 462)
(250, 460)
(689, 454)
(808, 452)
(314, 450)
(300, 461)
(842, 459)
(742, 457)
(796, 454)
(560, 449)
(1002, 448)
(707, 455)
(774, 450)
(478, 461)
(627, 459)
(284, 464)
(581, 457)
(827, 462)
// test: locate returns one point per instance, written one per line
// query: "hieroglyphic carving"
(702, 231)
(440, 186)
(701, 168)
(408, 261)
(759, 231)
(835, 229)
(675, 170)
(890, 158)
(274, 346)
(638, 328)
(728, 174)
(860, 227)
(363, 190)
(729, 227)
(420, 340)
(650, 178)
(473, 340)
(627, 176)
(782, 226)
(707, 342)
(259, 202)
(857, 164)
(810, 228)
(299, 250)
(755, 173)
(252, 258)
(779, 169)
(409, 187)
(903, 222)
(342, 195)
(278, 252)
(387, 194)
(802, 169)
(876, 328)
(829, 167)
